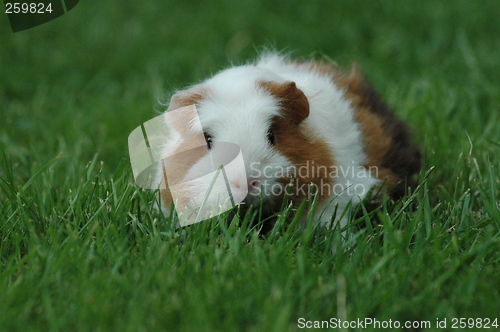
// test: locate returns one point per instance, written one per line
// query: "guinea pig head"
(267, 121)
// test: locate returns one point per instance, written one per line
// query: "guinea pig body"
(303, 128)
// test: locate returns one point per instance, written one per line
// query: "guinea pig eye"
(209, 141)
(270, 138)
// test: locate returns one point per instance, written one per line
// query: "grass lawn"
(81, 247)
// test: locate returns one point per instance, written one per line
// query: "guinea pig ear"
(181, 113)
(188, 97)
(293, 102)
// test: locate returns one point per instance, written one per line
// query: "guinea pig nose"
(236, 185)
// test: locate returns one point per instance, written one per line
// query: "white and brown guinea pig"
(299, 125)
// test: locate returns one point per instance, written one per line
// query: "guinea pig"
(301, 129)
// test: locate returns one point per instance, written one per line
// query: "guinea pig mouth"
(267, 205)
(252, 200)
(263, 215)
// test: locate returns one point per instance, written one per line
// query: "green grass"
(82, 248)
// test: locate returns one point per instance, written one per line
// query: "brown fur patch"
(310, 155)
(386, 138)
(293, 102)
